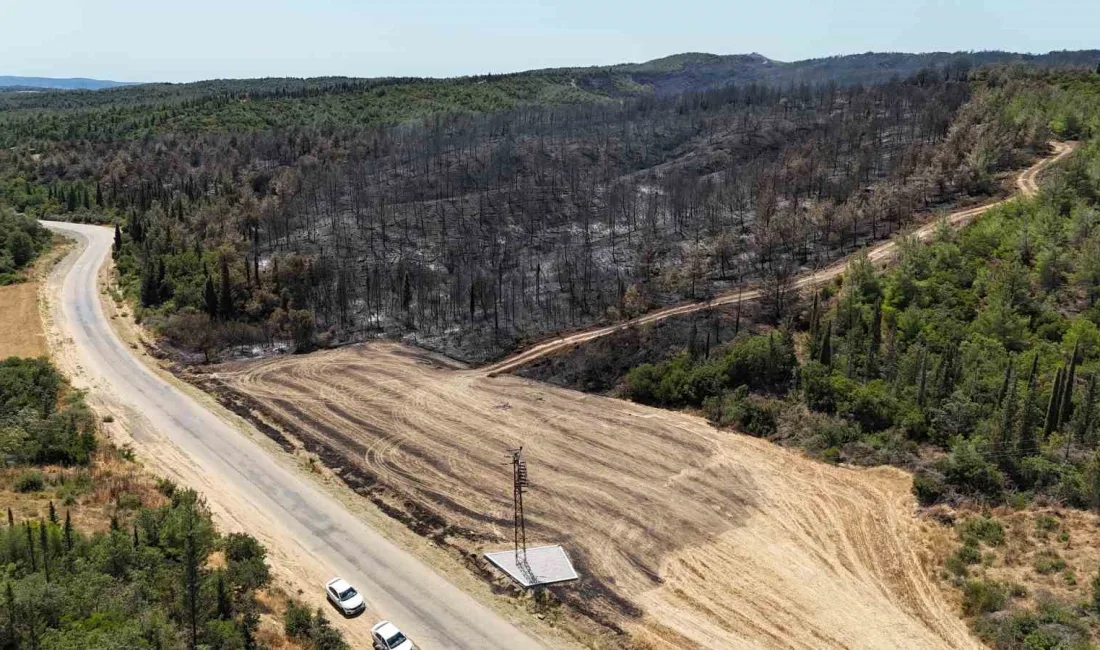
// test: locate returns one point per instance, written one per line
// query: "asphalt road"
(431, 610)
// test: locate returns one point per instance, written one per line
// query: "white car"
(344, 597)
(386, 636)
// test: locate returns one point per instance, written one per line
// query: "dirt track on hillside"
(1026, 183)
(687, 536)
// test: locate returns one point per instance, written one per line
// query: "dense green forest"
(148, 581)
(21, 241)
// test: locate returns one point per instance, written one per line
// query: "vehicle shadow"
(344, 614)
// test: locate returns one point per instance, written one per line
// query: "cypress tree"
(1026, 444)
(53, 514)
(869, 369)
(1067, 389)
(224, 608)
(922, 385)
(1008, 411)
(12, 636)
(1085, 415)
(68, 532)
(150, 293)
(137, 542)
(815, 317)
(225, 304)
(191, 579)
(164, 292)
(30, 546)
(1054, 406)
(210, 299)
(827, 346)
(11, 518)
(890, 362)
(851, 345)
(44, 543)
(1001, 394)
(117, 247)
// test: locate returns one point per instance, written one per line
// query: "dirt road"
(1025, 183)
(304, 527)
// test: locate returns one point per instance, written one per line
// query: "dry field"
(21, 332)
(687, 536)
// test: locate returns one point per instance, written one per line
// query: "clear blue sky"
(167, 40)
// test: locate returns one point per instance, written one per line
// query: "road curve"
(430, 609)
(1026, 183)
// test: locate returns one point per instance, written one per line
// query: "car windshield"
(395, 640)
(347, 593)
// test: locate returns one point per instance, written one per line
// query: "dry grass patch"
(1027, 572)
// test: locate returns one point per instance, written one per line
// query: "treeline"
(42, 422)
(148, 585)
(161, 577)
(21, 241)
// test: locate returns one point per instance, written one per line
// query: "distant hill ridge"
(670, 74)
(47, 83)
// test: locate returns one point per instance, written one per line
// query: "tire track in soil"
(729, 540)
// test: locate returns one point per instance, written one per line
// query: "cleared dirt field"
(680, 530)
(21, 332)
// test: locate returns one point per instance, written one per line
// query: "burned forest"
(471, 233)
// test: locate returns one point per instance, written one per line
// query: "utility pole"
(519, 525)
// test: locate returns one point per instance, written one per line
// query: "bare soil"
(684, 534)
(20, 328)
(21, 332)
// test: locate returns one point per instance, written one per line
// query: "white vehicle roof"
(385, 629)
(339, 584)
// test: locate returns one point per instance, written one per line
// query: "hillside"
(470, 215)
(215, 105)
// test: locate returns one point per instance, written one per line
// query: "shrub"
(757, 416)
(765, 362)
(30, 481)
(929, 489)
(1047, 524)
(968, 469)
(1047, 562)
(983, 596)
(984, 529)
(297, 620)
(871, 406)
(128, 501)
